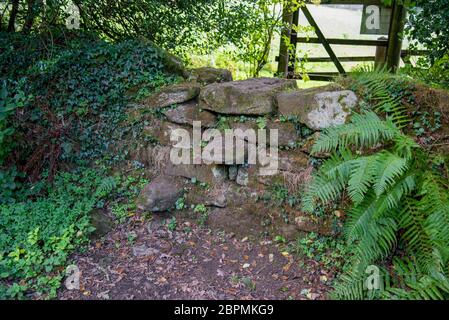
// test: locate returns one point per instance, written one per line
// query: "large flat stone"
(173, 94)
(246, 97)
(211, 174)
(161, 132)
(188, 112)
(210, 75)
(287, 135)
(160, 195)
(293, 163)
(318, 108)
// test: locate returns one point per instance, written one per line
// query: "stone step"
(188, 112)
(172, 94)
(246, 97)
(318, 108)
(207, 75)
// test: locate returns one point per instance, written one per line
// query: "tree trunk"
(13, 16)
(287, 19)
(31, 14)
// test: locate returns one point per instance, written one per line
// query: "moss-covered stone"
(210, 75)
(318, 108)
(247, 97)
(172, 94)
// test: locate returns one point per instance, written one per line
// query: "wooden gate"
(388, 48)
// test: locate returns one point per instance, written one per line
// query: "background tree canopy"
(429, 25)
(176, 25)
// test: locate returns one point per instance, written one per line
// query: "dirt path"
(145, 260)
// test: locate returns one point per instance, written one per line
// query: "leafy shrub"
(73, 94)
(399, 206)
(429, 25)
(436, 75)
(38, 232)
(10, 187)
(12, 97)
(80, 95)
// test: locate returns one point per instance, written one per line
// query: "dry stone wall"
(211, 97)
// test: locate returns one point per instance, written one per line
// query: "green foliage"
(429, 25)
(172, 224)
(278, 195)
(384, 93)
(12, 97)
(261, 122)
(121, 211)
(257, 32)
(203, 212)
(72, 95)
(330, 252)
(398, 199)
(10, 187)
(181, 26)
(426, 122)
(180, 203)
(38, 233)
(436, 74)
(79, 90)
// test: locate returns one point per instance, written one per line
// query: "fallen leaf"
(312, 296)
(287, 267)
(339, 214)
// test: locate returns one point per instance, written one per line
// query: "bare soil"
(145, 260)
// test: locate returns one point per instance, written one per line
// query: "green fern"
(106, 186)
(364, 131)
(399, 198)
(377, 83)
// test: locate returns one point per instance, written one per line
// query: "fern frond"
(397, 200)
(361, 178)
(376, 82)
(389, 167)
(351, 286)
(405, 186)
(412, 221)
(378, 240)
(106, 186)
(321, 189)
(364, 131)
(360, 217)
(405, 146)
(419, 285)
(435, 201)
(338, 166)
